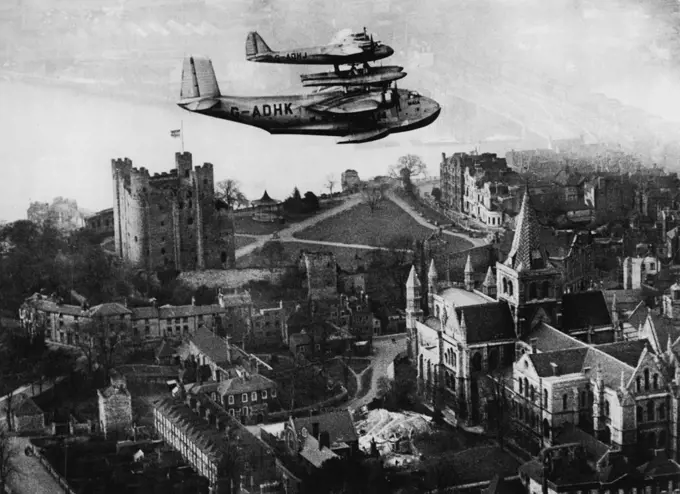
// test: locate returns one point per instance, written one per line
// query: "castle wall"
(322, 275)
(233, 278)
(171, 220)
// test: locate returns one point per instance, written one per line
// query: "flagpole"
(181, 133)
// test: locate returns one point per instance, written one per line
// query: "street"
(31, 476)
(385, 351)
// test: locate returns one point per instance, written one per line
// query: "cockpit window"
(413, 95)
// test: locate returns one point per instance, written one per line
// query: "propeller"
(372, 43)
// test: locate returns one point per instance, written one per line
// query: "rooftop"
(459, 297)
(338, 424)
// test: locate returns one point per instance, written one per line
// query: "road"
(31, 476)
(385, 351)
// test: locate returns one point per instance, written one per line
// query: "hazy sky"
(59, 142)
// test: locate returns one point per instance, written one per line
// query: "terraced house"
(63, 323)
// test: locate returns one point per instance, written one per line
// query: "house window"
(273, 393)
(244, 397)
(545, 398)
(264, 394)
(650, 411)
(253, 396)
(231, 399)
(638, 384)
(646, 379)
(565, 399)
(662, 412)
(655, 381)
(606, 408)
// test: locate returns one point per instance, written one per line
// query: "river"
(60, 142)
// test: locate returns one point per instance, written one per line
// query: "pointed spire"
(490, 279)
(413, 280)
(526, 251)
(468, 265)
(432, 275)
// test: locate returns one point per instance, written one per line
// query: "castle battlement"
(157, 224)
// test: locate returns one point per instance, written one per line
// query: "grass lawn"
(336, 371)
(365, 379)
(346, 257)
(245, 224)
(425, 210)
(359, 365)
(381, 228)
(243, 241)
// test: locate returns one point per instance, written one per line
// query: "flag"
(176, 133)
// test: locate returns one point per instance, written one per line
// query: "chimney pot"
(534, 345)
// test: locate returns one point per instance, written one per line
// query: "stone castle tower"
(171, 220)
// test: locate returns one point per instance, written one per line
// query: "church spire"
(412, 280)
(432, 275)
(526, 252)
(490, 279)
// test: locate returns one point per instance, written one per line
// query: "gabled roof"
(211, 345)
(109, 309)
(527, 251)
(165, 350)
(572, 434)
(567, 361)
(626, 351)
(660, 465)
(583, 309)
(246, 384)
(550, 339)
(487, 322)
(662, 329)
(339, 425)
(27, 407)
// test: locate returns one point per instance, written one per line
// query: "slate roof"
(568, 361)
(626, 351)
(487, 322)
(662, 329)
(211, 345)
(109, 391)
(572, 434)
(27, 407)
(338, 424)
(246, 384)
(660, 465)
(165, 350)
(583, 309)
(499, 485)
(313, 454)
(552, 339)
(579, 359)
(527, 251)
(109, 309)
(46, 305)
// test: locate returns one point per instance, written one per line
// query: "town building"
(65, 323)
(321, 270)
(266, 209)
(115, 408)
(214, 444)
(25, 415)
(171, 220)
(473, 328)
(269, 325)
(101, 223)
(350, 181)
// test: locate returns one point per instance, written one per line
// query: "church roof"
(487, 322)
(583, 309)
(527, 251)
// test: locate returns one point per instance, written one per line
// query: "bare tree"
(498, 406)
(411, 162)
(330, 183)
(8, 451)
(102, 345)
(373, 196)
(229, 191)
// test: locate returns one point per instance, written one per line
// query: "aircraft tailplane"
(255, 45)
(198, 78)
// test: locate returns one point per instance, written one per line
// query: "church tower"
(414, 311)
(527, 280)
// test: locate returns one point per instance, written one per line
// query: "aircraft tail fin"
(198, 79)
(255, 45)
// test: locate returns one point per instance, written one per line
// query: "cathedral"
(560, 361)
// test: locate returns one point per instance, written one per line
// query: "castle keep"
(171, 220)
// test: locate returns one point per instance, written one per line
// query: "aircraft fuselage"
(320, 55)
(290, 115)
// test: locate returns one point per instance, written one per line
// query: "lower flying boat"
(356, 114)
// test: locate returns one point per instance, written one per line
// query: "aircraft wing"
(371, 135)
(344, 50)
(346, 105)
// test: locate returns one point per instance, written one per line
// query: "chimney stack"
(534, 344)
(324, 440)
(555, 368)
(315, 430)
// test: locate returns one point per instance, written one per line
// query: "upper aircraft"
(345, 48)
(355, 112)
